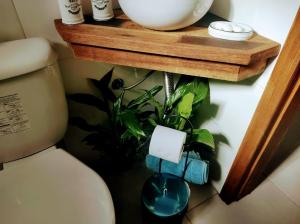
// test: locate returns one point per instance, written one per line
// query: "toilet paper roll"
(167, 143)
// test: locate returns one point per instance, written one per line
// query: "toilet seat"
(53, 187)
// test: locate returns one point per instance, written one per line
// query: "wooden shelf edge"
(191, 43)
(208, 69)
(190, 51)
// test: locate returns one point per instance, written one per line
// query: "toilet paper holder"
(165, 197)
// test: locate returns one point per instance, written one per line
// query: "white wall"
(10, 27)
(237, 101)
(233, 103)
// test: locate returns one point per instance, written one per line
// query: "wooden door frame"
(269, 123)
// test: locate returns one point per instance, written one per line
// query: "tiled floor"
(274, 201)
(287, 178)
(266, 205)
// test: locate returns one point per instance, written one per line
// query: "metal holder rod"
(169, 84)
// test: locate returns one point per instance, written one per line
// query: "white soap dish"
(230, 31)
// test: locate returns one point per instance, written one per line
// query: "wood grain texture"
(271, 154)
(189, 51)
(269, 123)
(214, 70)
(190, 43)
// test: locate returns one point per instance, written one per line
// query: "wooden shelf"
(189, 51)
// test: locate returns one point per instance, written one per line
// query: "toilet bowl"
(53, 187)
(40, 183)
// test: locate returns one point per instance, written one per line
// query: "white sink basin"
(165, 14)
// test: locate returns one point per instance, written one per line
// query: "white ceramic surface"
(53, 187)
(230, 31)
(165, 14)
(33, 108)
(23, 56)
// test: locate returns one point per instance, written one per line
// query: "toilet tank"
(33, 108)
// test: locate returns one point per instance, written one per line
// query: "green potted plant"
(122, 139)
(185, 101)
(118, 139)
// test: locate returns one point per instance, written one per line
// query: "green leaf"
(129, 119)
(159, 109)
(198, 86)
(178, 93)
(183, 80)
(83, 124)
(171, 121)
(185, 108)
(204, 136)
(117, 108)
(152, 122)
(145, 97)
(126, 136)
(89, 100)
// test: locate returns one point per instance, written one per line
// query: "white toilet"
(39, 183)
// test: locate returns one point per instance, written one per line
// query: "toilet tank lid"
(20, 57)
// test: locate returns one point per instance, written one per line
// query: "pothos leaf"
(184, 79)
(89, 100)
(172, 121)
(185, 108)
(159, 109)
(204, 136)
(126, 135)
(178, 93)
(117, 108)
(128, 119)
(198, 86)
(145, 97)
(152, 122)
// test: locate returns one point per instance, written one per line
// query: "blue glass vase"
(165, 195)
